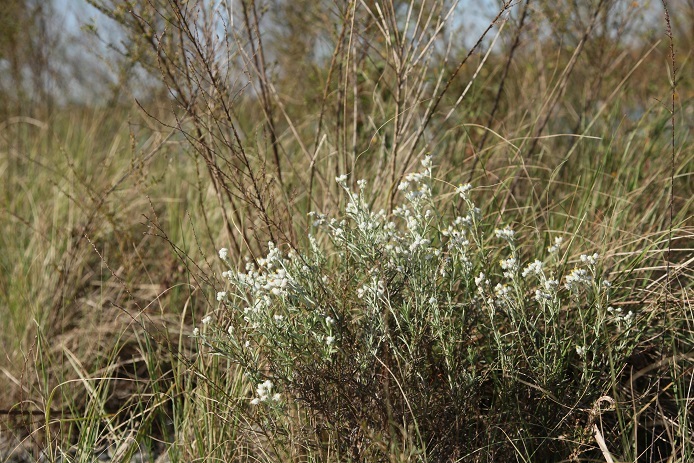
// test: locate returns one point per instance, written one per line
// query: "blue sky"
(474, 14)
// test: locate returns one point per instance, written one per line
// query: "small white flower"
(264, 390)
(509, 264)
(329, 340)
(581, 351)
(556, 246)
(415, 177)
(342, 179)
(425, 191)
(502, 291)
(221, 296)
(590, 260)
(433, 301)
(276, 397)
(481, 279)
(255, 401)
(230, 330)
(577, 278)
(542, 296)
(206, 320)
(463, 190)
(505, 233)
(329, 320)
(419, 242)
(629, 317)
(196, 331)
(534, 268)
(278, 318)
(319, 219)
(400, 211)
(482, 282)
(224, 253)
(361, 184)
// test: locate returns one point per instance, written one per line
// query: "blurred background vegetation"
(137, 137)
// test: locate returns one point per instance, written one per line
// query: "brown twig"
(500, 89)
(673, 89)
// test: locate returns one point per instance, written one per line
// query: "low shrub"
(425, 331)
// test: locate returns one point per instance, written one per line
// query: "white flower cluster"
(533, 269)
(456, 234)
(401, 247)
(264, 392)
(318, 218)
(458, 246)
(482, 282)
(419, 242)
(261, 284)
(510, 266)
(578, 278)
(376, 289)
(464, 191)
(556, 246)
(206, 320)
(505, 233)
(582, 277)
(460, 233)
(420, 180)
(590, 260)
(503, 294)
(357, 209)
(547, 289)
(581, 351)
(621, 318)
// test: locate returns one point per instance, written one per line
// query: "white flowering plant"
(415, 319)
